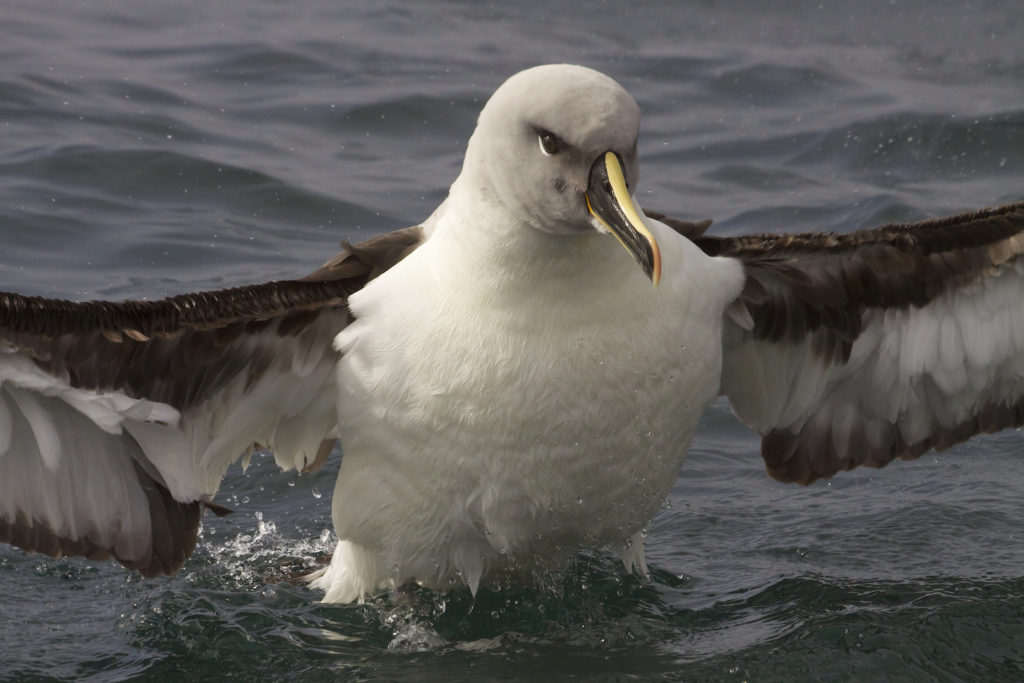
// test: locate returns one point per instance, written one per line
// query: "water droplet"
(317, 494)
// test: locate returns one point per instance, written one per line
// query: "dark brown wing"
(118, 420)
(179, 350)
(856, 349)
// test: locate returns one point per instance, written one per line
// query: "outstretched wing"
(856, 349)
(119, 420)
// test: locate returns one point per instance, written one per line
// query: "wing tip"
(802, 459)
(175, 531)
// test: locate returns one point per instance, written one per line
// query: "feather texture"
(878, 344)
(119, 420)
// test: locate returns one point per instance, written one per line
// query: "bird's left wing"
(119, 420)
(856, 349)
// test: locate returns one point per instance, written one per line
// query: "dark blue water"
(147, 150)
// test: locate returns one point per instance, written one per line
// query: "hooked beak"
(613, 210)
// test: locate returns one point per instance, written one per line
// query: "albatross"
(516, 378)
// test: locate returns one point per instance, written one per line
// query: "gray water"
(157, 148)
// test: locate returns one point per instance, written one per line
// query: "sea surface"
(149, 149)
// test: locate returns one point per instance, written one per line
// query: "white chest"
(529, 426)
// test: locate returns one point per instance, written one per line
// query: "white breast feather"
(464, 419)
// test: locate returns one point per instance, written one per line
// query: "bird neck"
(498, 249)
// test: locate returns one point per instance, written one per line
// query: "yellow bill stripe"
(621, 194)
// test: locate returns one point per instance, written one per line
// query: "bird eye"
(549, 142)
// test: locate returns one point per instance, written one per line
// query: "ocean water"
(176, 146)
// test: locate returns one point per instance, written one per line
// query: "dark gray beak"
(612, 208)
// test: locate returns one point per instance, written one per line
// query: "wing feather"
(118, 420)
(857, 349)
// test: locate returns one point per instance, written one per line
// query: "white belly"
(476, 438)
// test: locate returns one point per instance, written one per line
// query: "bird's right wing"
(119, 420)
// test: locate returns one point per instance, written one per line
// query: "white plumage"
(514, 388)
(485, 428)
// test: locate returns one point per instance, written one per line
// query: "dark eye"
(549, 142)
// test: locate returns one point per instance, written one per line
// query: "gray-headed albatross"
(507, 382)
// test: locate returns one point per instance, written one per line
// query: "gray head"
(546, 148)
